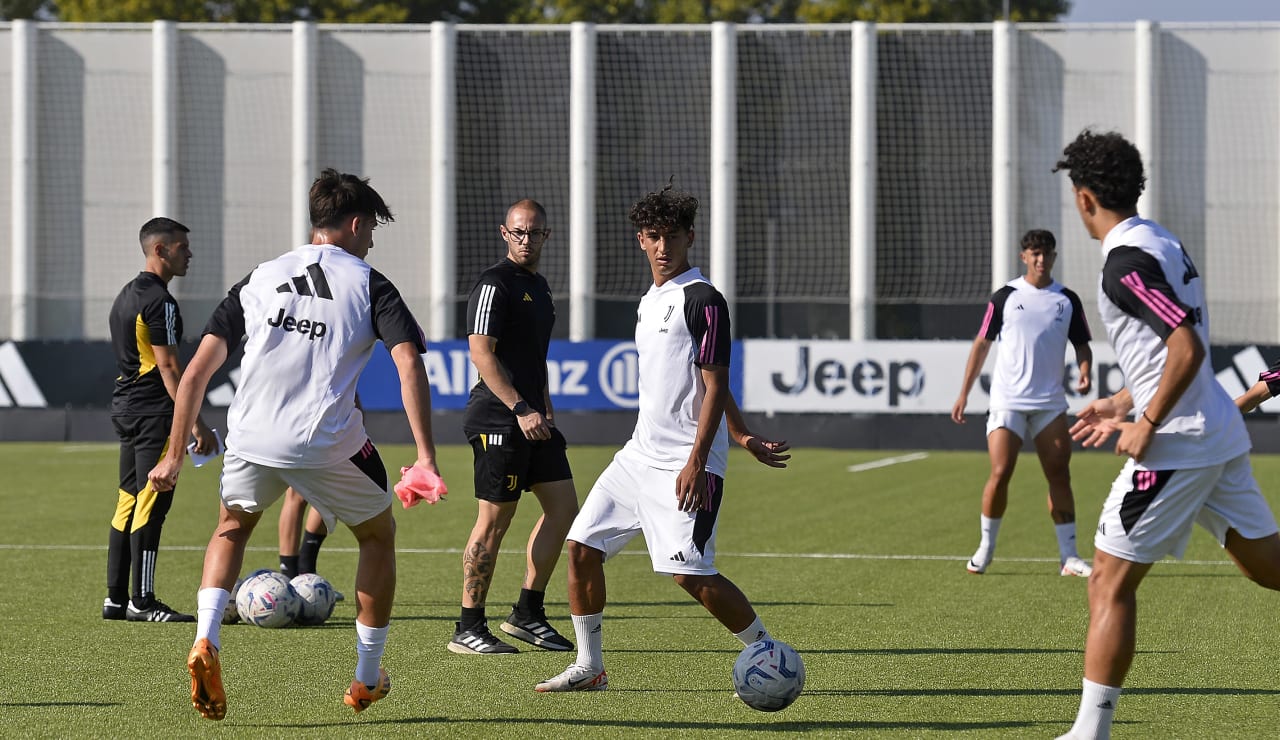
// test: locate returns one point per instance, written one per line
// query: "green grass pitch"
(863, 571)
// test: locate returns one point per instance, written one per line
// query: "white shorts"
(631, 497)
(1025, 424)
(352, 491)
(1149, 513)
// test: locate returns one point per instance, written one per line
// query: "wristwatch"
(521, 408)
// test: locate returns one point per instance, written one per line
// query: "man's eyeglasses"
(520, 235)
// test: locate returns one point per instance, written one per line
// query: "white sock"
(754, 633)
(1066, 541)
(990, 528)
(1097, 707)
(210, 604)
(370, 643)
(589, 631)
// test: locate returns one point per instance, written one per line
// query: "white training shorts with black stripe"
(632, 497)
(1149, 513)
(351, 491)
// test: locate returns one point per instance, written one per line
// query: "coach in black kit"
(509, 422)
(146, 327)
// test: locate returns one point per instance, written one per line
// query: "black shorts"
(506, 464)
(143, 441)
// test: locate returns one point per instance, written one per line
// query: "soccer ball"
(230, 614)
(768, 675)
(317, 597)
(267, 600)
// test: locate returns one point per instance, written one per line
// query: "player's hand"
(1083, 384)
(957, 411)
(206, 442)
(691, 488)
(164, 476)
(768, 451)
(534, 426)
(1096, 422)
(420, 482)
(1135, 439)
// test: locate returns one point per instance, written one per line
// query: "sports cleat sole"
(974, 568)
(207, 694)
(359, 696)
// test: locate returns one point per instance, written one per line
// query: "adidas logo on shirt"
(527, 299)
(301, 286)
(678, 557)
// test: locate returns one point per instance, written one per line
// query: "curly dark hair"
(665, 210)
(1039, 239)
(336, 195)
(1108, 164)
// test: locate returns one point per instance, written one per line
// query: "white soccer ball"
(768, 675)
(230, 614)
(267, 600)
(318, 598)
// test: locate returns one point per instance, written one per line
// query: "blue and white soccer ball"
(318, 598)
(267, 600)
(230, 614)
(768, 675)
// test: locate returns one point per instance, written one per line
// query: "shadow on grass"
(38, 704)
(1147, 691)
(788, 728)
(945, 651)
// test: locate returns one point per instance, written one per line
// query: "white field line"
(887, 461)
(770, 555)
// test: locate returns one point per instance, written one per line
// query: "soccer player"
(297, 557)
(310, 318)
(1187, 446)
(146, 328)
(510, 423)
(1034, 316)
(668, 481)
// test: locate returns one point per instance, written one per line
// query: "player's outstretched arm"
(415, 394)
(1253, 398)
(210, 355)
(766, 451)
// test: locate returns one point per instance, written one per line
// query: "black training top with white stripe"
(144, 315)
(515, 307)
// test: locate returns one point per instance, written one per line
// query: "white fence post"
(1146, 111)
(305, 43)
(582, 182)
(862, 183)
(164, 119)
(1004, 151)
(724, 163)
(22, 278)
(443, 243)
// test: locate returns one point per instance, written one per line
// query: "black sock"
(471, 616)
(530, 603)
(289, 565)
(309, 552)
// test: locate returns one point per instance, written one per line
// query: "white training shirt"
(1034, 326)
(680, 326)
(310, 319)
(1149, 287)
